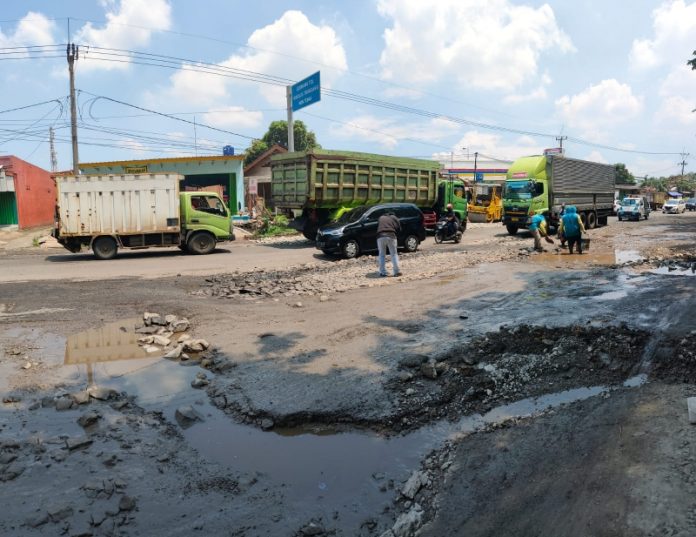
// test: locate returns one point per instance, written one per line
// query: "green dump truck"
(318, 186)
(542, 184)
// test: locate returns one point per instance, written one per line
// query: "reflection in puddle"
(674, 271)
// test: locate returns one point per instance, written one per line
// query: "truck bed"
(579, 182)
(90, 205)
(331, 179)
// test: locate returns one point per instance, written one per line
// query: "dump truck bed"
(330, 179)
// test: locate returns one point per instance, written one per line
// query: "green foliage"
(623, 176)
(692, 62)
(274, 226)
(35, 242)
(277, 133)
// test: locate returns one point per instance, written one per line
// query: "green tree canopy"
(692, 62)
(277, 133)
(623, 176)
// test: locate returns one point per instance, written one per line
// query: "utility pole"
(291, 128)
(73, 53)
(475, 164)
(560, 139)
(683, 163)
(52, 145)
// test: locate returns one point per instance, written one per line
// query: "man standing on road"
(388, 226)
(538, 229)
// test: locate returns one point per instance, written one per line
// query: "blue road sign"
(478, 177)
(306, 92)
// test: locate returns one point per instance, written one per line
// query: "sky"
(424, 78)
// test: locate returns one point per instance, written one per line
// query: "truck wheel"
(591, 220)
(512, 229)
(351, 249)
(411, 243)
(104, 248)
(201, 243)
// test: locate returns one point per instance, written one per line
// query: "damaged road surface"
(524, 395)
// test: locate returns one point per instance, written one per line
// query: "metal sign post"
(299, 95)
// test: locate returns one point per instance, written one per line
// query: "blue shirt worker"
(572, 228)
(538, 229)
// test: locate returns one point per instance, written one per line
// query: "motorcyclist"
(452, 221)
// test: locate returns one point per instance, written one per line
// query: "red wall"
(35, 191)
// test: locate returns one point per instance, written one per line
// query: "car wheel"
(201, 243)
(351, 249)
(411, 243)
(104, 248)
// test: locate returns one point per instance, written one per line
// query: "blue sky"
(451, 77)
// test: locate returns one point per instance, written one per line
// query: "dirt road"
(489, 391)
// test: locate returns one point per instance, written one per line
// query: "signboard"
(478, 177)
(553, 151)
(306, 92)
(135, 169)
(519, 175)
(253, 186)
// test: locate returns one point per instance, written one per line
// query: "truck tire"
(104, 248)
(351, 249)
(411, 243)
(591, 220)
(201, 243)
(512, 229)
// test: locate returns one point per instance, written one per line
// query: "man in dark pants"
(572, 228)
(388, 226)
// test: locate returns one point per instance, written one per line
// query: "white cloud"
(538, 93)
(678, 97)
(233, 117)
(491, 45)
(495, 146)
(599, 107)
(33, 29)
(674, 25)
(129, 25)
(318, 46)
(388, 132)
(596, 156)
(197, 89)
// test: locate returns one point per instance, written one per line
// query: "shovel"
(548, 239)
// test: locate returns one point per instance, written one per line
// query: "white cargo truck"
(108, 212)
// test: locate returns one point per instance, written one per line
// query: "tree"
(623, 176)
(277, 133)
(692, 62)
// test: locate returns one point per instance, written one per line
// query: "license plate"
(514, 219)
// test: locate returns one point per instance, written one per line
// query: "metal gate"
(8, 209)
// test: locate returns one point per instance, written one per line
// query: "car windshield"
(352, 216)
(518, 190)
(628, 202)
(672, 202)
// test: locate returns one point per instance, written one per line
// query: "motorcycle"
(442, 232)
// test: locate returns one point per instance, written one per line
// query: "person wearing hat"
(538, 230)
(452, 220)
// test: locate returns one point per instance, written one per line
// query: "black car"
(691, 204)
(355, 232)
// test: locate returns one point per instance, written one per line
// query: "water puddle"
(346, 472)
(674, 271)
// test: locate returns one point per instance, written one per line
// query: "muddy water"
(351, 473)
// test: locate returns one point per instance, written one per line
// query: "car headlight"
(333, 232)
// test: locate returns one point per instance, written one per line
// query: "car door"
(368, 229)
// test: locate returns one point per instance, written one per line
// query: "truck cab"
(525, 193)
(204, 218)
(448, 191)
